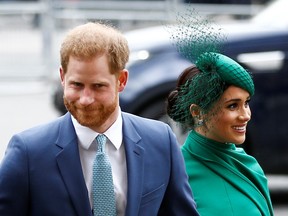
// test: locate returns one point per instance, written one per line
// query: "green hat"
(229, 70)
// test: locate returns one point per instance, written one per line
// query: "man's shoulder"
(145, 126)
(142, 120)
(45, 129)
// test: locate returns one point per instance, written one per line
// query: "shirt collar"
(86, 135)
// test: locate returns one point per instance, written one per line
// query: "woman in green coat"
(212, 99)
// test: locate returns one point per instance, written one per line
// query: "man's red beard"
(92, 116)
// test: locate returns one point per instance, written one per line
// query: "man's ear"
(122, 79)
(62, 75)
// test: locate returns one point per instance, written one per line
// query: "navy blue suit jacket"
(41, 172)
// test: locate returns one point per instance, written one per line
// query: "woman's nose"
(245, 114)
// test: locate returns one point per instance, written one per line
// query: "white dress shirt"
(116, 152)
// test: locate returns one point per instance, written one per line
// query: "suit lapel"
(135, 166)
(69, 164)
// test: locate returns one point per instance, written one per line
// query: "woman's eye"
(247, 103)
(232, 106)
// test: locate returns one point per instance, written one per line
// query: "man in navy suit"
(47, 170)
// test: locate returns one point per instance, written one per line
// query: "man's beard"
(92, 116)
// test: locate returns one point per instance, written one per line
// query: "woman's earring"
(198, 122)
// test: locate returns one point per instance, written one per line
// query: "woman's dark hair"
(172, 99)
(194, 87)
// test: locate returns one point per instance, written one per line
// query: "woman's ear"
(195, 110)
(197, 115)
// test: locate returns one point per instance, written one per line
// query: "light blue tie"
(103, 188)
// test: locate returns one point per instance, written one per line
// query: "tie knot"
(101, 140)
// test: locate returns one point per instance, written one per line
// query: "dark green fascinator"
(200, 41)
(229, 70)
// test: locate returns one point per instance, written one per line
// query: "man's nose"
(87, 97)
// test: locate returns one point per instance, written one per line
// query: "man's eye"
(77, 84)
(97, 86)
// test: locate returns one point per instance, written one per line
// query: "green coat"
(224, 179)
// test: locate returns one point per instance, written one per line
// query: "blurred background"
(257, 37)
